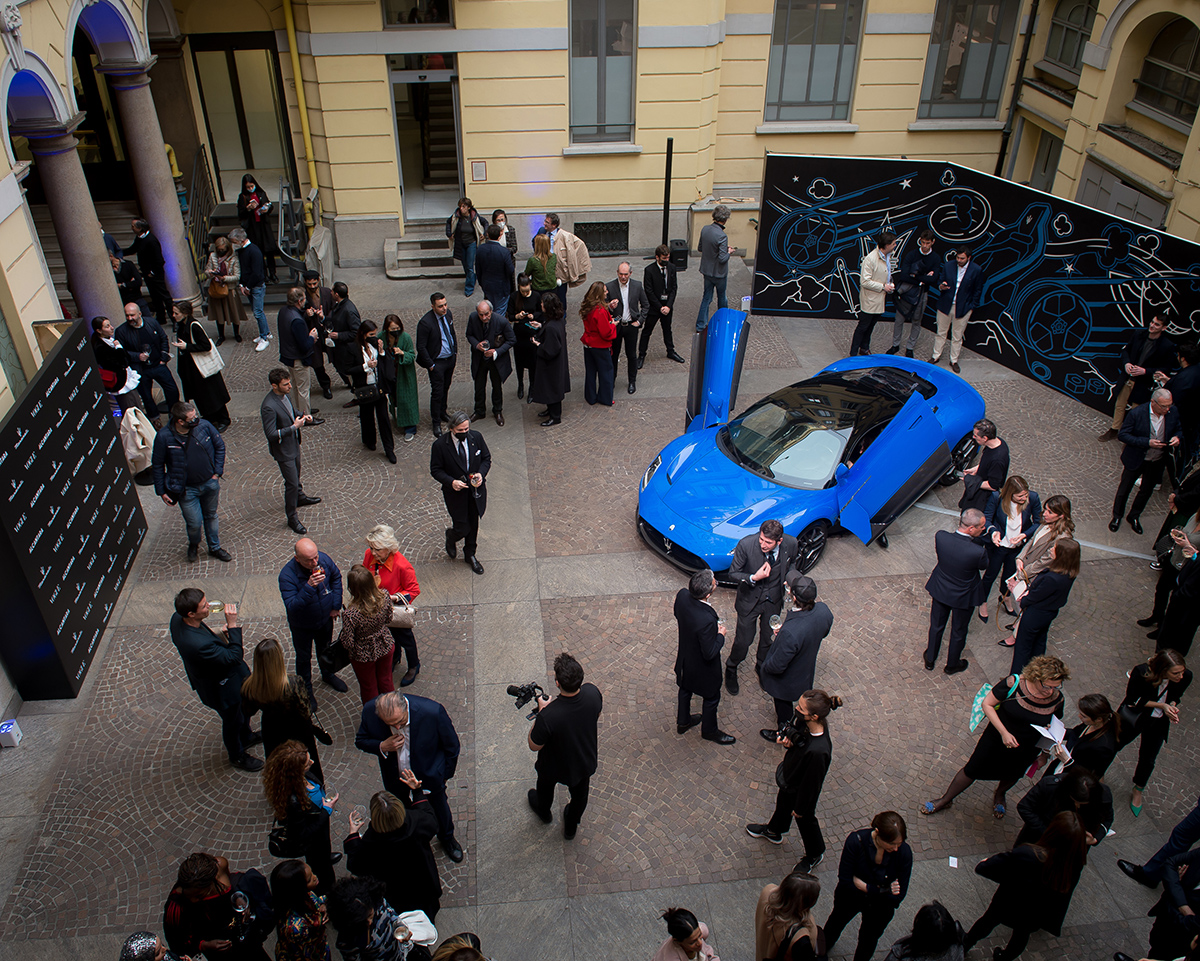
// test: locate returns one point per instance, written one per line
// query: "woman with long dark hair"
(686, 938)
(553, 381)
(936, 936)
(1009, 743)
(1152, 696)
(599, 331)
(872, 881)
(372, 411)
(395, 849)
(1013, 514)
(300, 803)
(254, 214)
(1048, 593)
(283, 700)
(800, 777)
(1036, 883)
(365, 634)
(398, 357)
(209, 394)
(301, 913)
(1092, 743)
(784, 918)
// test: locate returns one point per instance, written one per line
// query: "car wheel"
(812, 545)
(960, 458)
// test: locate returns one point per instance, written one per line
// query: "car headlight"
(654, 465)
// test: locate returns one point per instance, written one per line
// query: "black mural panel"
(1063, 284)
(71, 518)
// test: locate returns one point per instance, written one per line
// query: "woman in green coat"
(400, 375)
(541, 267)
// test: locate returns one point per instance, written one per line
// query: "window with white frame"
(969, 52)
(814, 51)
(603, 37)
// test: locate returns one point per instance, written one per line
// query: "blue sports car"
(849, 449)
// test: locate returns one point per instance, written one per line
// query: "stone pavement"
(109, 792)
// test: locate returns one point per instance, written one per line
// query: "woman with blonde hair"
(599, 331)
(365, 634)
(394, 574)
(301, 805)
(1035, 555)
(224, 272)
(394, 848)
(283, 700)
(784, 917)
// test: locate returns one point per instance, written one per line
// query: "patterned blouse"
(302, 936)
(366, 638)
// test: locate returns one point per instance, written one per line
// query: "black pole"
(667, 189)
(1016, 97)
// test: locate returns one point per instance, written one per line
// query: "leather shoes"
(437, 430)
(1115, 524)
(545, 816)
(391, 456)
(893, 350)
(693, 720)
(499, 419)
(520, 391)
(1135, 524)
(305, 501)
(478, 415)
(731, 681)
(720, 738)
(1108, 435)
(254, 738)
(314, 410)
(327, 394)
(410, 676)
(451, 546)
(929, 665)
(1121, 956)
(552, 422)
(1135, 872)
(954, 367)
(335, 857)
(350, 403)
(335, 682)
(221, 554)
(769, 734)
(248, 762)
(675, 356)
(632, 387)
(453, 850)
(1147, 621)
(543, 413)
(473, 561)
(957, 668)
(315, 421)
(294, 524)
(641, 361)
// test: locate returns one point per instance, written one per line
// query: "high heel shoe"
(982, 617)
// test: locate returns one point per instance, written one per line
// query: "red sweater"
(599, 330)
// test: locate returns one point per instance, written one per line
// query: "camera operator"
(564, 737)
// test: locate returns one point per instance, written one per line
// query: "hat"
(803, 588)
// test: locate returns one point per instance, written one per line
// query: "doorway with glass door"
(425, 90)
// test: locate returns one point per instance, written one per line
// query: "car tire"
(812, 541)
(960, 458)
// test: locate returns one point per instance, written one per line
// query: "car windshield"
(798, 436)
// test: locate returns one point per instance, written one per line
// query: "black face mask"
(461, 435)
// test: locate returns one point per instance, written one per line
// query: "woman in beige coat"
(784, 913)
(223, 268)
(1035, 555)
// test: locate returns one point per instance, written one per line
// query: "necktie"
(462, 452)
(447, 333)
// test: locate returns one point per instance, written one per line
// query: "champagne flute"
(241, 906)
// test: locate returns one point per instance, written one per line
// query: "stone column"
(89, 273)
(152, 174)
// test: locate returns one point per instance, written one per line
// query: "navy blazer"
(214, 669)
(955, 579)
(429, 338)
(698, 659)
(969, 291)
(1031, 516)
(499, 334)
(494, 268)
(433, 751)
(1135, 434)
(1048, 591)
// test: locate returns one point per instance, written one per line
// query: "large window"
(814, 49)
(1170, 80)
(969, 50)
(602, 43)
(1070, 28)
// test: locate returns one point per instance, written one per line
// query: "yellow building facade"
(556, 105)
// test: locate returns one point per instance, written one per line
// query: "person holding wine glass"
(368, 928)
(790, 667)
(302, 806)
(394, 847)
(200, 916)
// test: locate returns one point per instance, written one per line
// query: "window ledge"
(594, 149)
(954, 123)
(1058, 71)
(1159, 117)
(808, 126)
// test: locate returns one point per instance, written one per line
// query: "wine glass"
(402, 934)
(360, 814)
(216, 607)
(241, 912)
(776, 623)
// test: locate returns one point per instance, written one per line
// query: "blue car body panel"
(725, 349)
(696, 502)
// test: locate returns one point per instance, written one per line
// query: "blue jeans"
(199, 506)
(469, 269)
(257, 296)
(711, 284)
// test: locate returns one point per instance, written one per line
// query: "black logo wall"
(1063, 284)
(72, 522)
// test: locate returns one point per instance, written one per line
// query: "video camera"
(524, 693)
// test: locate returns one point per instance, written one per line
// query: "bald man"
(311, 586)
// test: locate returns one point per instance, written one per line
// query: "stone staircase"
(114, 214)
(424, 251)
(443, 148)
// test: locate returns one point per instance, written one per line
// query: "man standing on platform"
(953, 586)
(311, 587)
(698, 659)
(714, 263)
(437, 352)
(961, 288)
(661, 283)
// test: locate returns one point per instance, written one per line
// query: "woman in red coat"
(394, 574)
(599, 331)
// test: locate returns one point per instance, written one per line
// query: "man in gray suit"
(629, 305)
(281, 423)
(714, 263)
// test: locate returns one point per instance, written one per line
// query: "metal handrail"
(202, 200)
(291, 238)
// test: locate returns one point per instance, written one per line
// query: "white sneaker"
(262, 345)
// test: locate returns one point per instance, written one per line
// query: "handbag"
(367, 393)
(281, 844)
(333, 659)
(209, 362)
(217, 289)
(980, 695)
(402, 615)
(1130, 717)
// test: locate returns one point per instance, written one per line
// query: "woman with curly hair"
(365, 634)
(366, 924)
(784, 917)
(301, 806)
(301, 913)
(599, 332)
(283, 700)
(1009, 743)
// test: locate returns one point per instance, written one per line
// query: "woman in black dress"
(525, 315)
(1092, 743)
(1048, 592)
(209, 394)
(1009, 744)
(1152, 697)
(302, 806)
(254, 211)
(1036, 884)
(395, 850)
(553, 381)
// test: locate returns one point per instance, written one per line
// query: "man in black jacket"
(1145, 361)
(698, 660)
(1148, 432)
(318, 304)
(437, 352)
(491, 338)
(341, 327)
(149, 353)
(460, 461)
(129, 281)
(661, 283)
(254, 283)
(297, 342)
(790, 666)
(153, 267)
(494, 269)
(920, 270)
(188, 460)
(953, 586)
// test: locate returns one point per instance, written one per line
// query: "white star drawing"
(1069, 267)
(905, 184)
(795, 180)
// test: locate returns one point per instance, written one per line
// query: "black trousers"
(318, 368)
(440, 376)
(235, 729)
(406, 641)
(987, 924)
(488, 371)
(744, 633)
(939, 614)
(861, 339)
(876, 916)
(573, 812)
(303, 639)
(783, 710)
(708, 711)
(651, 322)
(627, 336)
(806, 822)
(1151, 473)
(372, 414)
(1153, 732)
(467, 530)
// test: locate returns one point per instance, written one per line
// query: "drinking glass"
(216, 607)
(402, 933)
(776, 622)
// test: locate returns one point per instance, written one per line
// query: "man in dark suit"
(318, 304)
(437, 352)
(494, 269)
(153, 266)
(698, 660)
(341, 327)
(281, 423)
(1146, 360)
(1148, 433)
(760, 563)
(297, 344)
(661, 284)
(953, 586)
(790, 667)
(962, 288)
(1185, 392)
(491, 338)
(460, 461)
(628, 304)
(412, 735)
(215, 669)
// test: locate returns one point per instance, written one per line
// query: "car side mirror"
(842, 471)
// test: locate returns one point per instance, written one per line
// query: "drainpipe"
(1012, 107)
(302, 105)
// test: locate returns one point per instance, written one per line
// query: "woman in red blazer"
(599, 331)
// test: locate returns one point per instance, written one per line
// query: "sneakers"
(764, 832)
(806, 864)
(260, 345)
